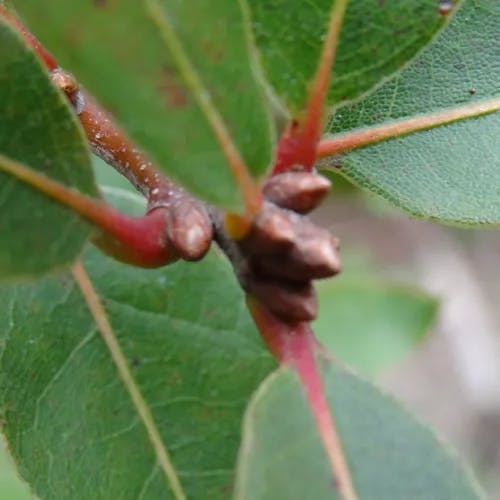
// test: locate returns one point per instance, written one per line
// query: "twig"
(176, 225)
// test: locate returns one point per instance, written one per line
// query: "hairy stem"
(101, 319)
(364, 137)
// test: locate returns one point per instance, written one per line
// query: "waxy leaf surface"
(37, 129)
(450, 173)
(123, 52)
(377, 38)
(370, 324)
(389, 454)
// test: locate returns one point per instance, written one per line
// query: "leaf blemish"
(173, 90)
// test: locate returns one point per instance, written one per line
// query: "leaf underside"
(452, 173)
(37, 129)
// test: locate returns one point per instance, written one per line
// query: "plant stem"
(101, 319)
(347, 141)
(297, 146)
(111, 144)
(140, 241)
(106, 138)
(295, 346)
(42, 52)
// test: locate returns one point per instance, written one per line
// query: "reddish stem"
(177, 225)
(297, 146)
(42, 52)
(295, 345)
(107, 140)
(113, 145)
(141, 241)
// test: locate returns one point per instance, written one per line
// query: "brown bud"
(316, 250)
(189, 227)
(307, 262)
(297, 191)
(273, 230)
(292, 302)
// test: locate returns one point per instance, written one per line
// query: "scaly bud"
(292, 302)
(297, 191)
(189, 227)
(273, 229)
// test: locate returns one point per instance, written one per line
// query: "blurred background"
(417, 310)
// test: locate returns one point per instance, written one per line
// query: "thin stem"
(106, 138)
(294, 345)
(320, 85)
(249, 188)
(137, 240)
(113, 145)
(42, 52)
(364, 137)
(100, 317)
(297, 146)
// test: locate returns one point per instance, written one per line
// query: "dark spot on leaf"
(176, 95)
(472, 91)
(135, 362)
(213, 52)
(100, 3)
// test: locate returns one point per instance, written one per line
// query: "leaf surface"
(450, 173)
(370, 324)
(377, 38)
(192, 349)
(11, 486)
(123, 52)
(390, 455)
(39, 130)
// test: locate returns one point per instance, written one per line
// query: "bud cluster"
(284, 251)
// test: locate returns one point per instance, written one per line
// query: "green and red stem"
(295, 346)
(297, 146)
(175, 226)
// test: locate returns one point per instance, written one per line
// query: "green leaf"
(451, 173)
(377, 38)
(390, 455)
(193, 352)
(11, 486)
(39, 130)
(119, 50)
(370, 324)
